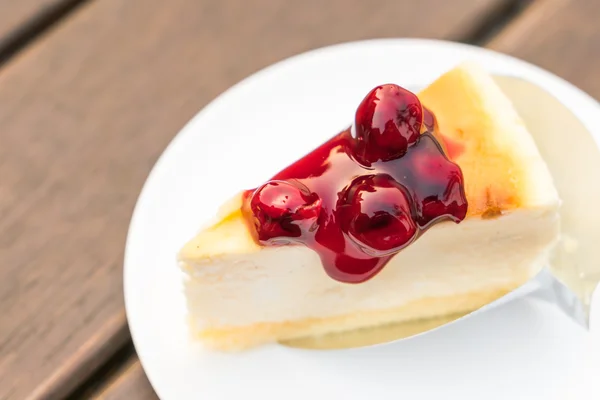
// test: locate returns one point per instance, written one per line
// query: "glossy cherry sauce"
(365, 194)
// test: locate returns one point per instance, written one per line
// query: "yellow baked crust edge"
(345, 331)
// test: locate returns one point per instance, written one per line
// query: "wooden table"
(92, 91)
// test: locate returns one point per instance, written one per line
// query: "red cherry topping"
(387, 122)
(280, 207)
(376, 213)
(439, 191)
(359, 199)
(450, 205)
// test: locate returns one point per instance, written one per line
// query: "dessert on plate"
(428, 205)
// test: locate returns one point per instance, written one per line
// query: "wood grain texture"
(85, 112)
(17, 15)
(129, 382)
(560, 35)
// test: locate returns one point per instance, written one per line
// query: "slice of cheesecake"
(244, 291)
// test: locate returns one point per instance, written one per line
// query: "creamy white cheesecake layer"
(278, 284)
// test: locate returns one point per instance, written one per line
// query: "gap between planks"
(21, 37)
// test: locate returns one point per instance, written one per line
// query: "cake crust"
(501, 164)
(425, 310)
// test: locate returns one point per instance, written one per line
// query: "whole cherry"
(282, 208)
(375, 212)
(387, 122)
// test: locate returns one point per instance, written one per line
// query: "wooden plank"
(18, 16)
(129, 382)
(85, 112)
(559, 35)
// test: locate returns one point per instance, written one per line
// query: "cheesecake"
(429, 205)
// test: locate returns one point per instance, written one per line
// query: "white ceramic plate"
(522, 350)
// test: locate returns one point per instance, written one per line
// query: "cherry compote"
(365, 194)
